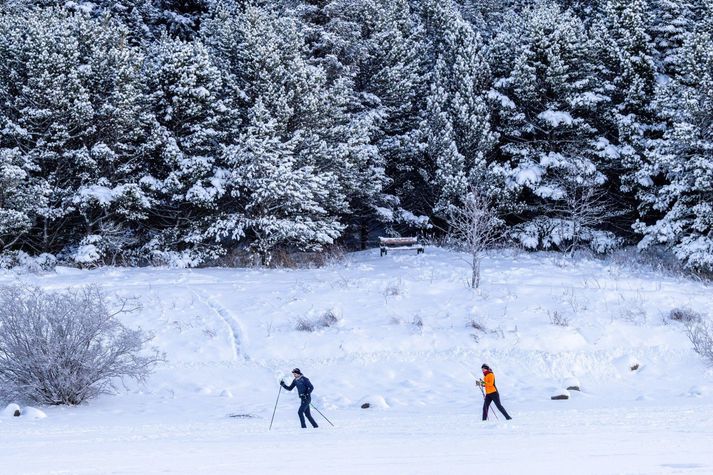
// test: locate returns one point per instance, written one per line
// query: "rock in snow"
(562, 395)
(572, 384)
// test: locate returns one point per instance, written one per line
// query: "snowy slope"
(405, 341)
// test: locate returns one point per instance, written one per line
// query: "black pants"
(493, 397)
(304, 411)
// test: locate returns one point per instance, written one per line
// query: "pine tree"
(551, 153)
(383, 61)
(488, 16)
(146, 20)
(627, 72)
(195, 115)
(290, 102)
(347, 39)
(672, 26)
(682, 205)
(456, 126)
(17, 197)
(71, 109)
(280, 202)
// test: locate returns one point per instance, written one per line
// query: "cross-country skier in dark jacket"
(491, 392)
(304, 389)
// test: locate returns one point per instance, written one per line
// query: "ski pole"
(325, 417)
(274, 410)
(487, 416)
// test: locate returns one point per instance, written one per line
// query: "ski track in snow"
(228, 318)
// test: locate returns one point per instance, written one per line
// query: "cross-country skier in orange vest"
(491, 392)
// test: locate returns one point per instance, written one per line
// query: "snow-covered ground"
(408, 339)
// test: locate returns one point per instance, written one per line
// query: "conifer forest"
(143, 132)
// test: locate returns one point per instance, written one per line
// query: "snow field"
(408, 339)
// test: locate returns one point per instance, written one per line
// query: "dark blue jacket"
(304, 387)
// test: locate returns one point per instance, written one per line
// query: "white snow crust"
(409, 339)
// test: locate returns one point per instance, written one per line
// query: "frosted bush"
(21, 261)
(557, 318)
(685, 315)
(88, 252)
(65, 347)
(326, 320)
(701, 335)
(547, 234)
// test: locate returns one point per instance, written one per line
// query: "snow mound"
(33, 413)
(10, 409)
(375, 402)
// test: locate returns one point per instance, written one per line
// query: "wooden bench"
(399, 244)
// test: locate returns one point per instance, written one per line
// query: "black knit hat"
(296, 371)
(485, 367)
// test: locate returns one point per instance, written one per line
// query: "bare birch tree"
(474, 227)
(585, 207)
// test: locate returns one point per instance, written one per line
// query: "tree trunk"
(363, 234)
(475, 276)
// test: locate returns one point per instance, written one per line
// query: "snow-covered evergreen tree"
(383, 65)
(627, 73)
(290, 102)
(456, 127)
(193, 107)
(71, 111)
(352, 41)
(684, 161)
(672, 26)
(279, 201)
(146, 20)
(162, 129)
(551, 152)
(17, 197)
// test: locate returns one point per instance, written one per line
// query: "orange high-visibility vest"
(489, 379)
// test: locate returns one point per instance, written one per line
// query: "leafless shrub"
(305, 325)
(476, 325)
(328, 256)
(417, 322)
(684, 315)
(343, 282)
(570, 298)
(557, 318)
(326, 320)
(632, 309)
(584, 206)
(393, 289)
(66, 347)
(701, 335)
